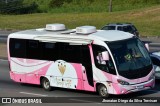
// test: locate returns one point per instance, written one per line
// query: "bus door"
(88, 83)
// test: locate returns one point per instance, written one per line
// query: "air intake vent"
(55, 27)
(85, 29)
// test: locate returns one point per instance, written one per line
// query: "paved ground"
(154, 40)
(5, 33)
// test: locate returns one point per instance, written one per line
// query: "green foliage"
(78, 6)
(43, 5)
(56, 3)
(17, 7)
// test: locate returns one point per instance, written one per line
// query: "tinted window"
(61, 51)
(131, 57)
(109, 66)
(109, 28)
(70, 53)
(127, 29)
(134, 28)
(33, 49)
(120, 28)
(155, 61)
(17, 48)
(50, 51)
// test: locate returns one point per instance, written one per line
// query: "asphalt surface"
(9, 88)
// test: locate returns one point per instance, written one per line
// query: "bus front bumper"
(125, 89)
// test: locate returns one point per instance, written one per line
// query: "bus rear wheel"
(102, 90)
(46, 84)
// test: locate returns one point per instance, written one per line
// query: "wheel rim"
(46, 84)
(103, 91)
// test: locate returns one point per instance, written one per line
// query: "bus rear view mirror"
(147, 46)
(105, 56)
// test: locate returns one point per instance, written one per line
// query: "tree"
(56, 3)
(17, 7)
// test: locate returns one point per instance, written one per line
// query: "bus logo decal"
(62, 67)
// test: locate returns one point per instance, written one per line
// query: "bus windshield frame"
(130, 56)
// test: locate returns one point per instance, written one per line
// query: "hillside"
(61, 6)
(71, 6)
(147, 20)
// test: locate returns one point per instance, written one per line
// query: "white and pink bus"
(108, 62)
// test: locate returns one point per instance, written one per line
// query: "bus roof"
(42, 34)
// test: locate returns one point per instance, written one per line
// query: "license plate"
(140, 87)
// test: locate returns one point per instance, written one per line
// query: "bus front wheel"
(102, 90)
(46, 84)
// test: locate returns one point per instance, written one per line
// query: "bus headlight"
(122, 82)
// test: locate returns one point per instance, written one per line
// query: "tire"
(102, 90)
(46, 84)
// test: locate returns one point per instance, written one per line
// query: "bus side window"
(33, 49)
(109, 66)
(69, 53)
(17, 48)
(50, 51)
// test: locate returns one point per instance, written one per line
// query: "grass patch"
(68, 6)
(147, 20)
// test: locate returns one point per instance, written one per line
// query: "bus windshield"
(129, 55)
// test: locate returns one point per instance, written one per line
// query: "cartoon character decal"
(62, 67)
(63, 75)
